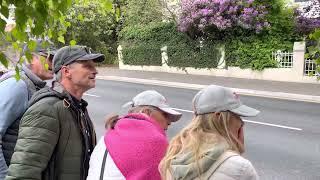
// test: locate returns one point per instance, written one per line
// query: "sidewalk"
(287, 90)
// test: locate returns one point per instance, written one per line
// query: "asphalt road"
(283, 142)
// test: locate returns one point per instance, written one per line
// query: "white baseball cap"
(153, 98)
(217, 99)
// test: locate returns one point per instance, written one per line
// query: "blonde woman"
(210, 147)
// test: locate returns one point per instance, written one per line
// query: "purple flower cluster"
(308, 18)
(305, 25)
(222, 14)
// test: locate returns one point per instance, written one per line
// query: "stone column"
(298, 58)
(164, 56)
(222, 61)
(120, 56)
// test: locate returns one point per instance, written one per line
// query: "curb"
(247, 92)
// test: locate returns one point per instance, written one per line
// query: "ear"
(146, 111)
(35, 59)
(216, 115)
(65, 71)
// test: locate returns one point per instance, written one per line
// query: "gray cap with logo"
(153, 98)
(69, 54)
(217, 99)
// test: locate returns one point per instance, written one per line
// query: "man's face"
(42, 67)
(82, 74)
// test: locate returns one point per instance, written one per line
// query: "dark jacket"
(56, 138)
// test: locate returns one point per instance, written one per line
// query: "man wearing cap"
(56, 135)
(15, 95)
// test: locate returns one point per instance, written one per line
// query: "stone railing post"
(164, 56)
(120, 56)
(222, 61)
(298, 58)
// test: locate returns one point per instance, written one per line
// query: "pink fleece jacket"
(137, 144)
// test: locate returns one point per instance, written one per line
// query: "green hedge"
(191, 55)
(142, 47)
(255, 52)
(142, 54)
(243, 49)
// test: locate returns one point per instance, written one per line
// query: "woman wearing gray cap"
(134, 144)
(210, 147)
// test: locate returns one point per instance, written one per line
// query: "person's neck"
(74, 90)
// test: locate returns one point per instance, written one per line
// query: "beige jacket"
(229, 166)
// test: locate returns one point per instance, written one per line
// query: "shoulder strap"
(225, 156)
(103, 164)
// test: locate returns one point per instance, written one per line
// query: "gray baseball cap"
(153, 98)
(41, 50)
(69, 54)
(217, 99)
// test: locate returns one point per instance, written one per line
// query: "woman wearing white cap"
(134, 144)
(210, 147)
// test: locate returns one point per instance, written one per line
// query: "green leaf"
(118, 14)
(4, 10)
(17, 75)
(9, 37)
(67, 24)
(32, 45)
(28, 55)
(15, 45)
(18, 34)
(315, 35)
(80, 17)
(4, 60)
(108, 5)
(50, 34)
(38, 28)
(61, 39)
(73, 42)
(2, 25)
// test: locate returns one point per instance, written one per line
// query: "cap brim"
(45, 53)
(94, 57)
(128, 104)
(245, 111)
(173, 115)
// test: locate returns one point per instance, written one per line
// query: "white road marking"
(274, 125)
(247, 92)
(183, 110)
(92, 95)
(254, 122)
(245, 120)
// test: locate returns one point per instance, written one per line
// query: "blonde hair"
(204, 132)
(112, 120)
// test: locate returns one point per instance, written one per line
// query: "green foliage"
(189, 54)
(36, 19)
(243, 48)
(95, 28)
(314, 50)
(3, 60)
(142, 54)
(255, 52)
(142, 12)
(182, 51)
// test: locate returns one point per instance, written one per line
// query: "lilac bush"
(222, 15)
(305, 25)
(308, 17)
